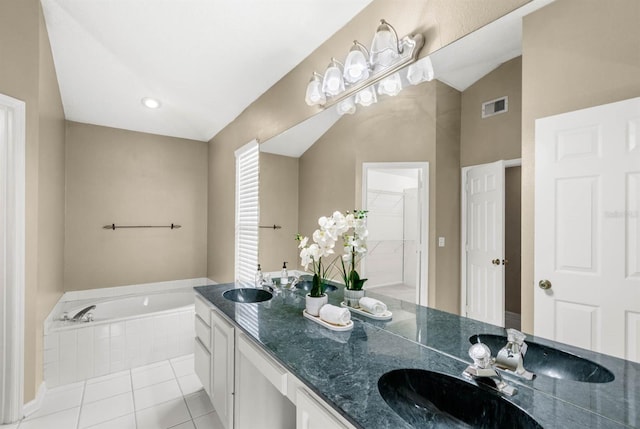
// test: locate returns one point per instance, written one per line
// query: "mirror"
(324, 155)
(440, 122)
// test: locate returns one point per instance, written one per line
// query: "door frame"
(517, 162)
(422, 291)
(12, 264)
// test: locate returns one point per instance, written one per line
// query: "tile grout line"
(184, 398)
(84, 391)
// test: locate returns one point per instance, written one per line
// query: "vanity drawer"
(203, 332)
(203, 310)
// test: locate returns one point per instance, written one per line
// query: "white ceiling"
(205, 60)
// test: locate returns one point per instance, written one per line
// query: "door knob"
(495, 261)
(544, 284)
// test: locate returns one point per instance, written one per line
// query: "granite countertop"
(344, 367)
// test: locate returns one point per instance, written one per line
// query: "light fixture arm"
(358, 45)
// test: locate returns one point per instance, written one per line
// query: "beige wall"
(133, 178)
(576, 54)
(447, 200)
(496, 137)
(440, 21)
(27, 73)
(278, 206)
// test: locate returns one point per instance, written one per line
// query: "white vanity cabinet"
(214, 359)
(202, 347)
(222, 368)
(311, 413)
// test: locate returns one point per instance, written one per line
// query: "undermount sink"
(247, 295)
(431, 399)
(554, 363)
(306, 285)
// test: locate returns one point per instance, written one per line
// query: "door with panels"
(587, 228)
(484, 243)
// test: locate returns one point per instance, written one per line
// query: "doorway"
(491, 229)
(396, 198)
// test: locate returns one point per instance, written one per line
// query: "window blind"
(247, 211)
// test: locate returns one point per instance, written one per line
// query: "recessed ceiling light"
(151, 103)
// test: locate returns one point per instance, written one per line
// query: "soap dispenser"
(259, 278)
(284, 275)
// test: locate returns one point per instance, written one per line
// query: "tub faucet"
(510, 358)
(80, 314)
(483, 368)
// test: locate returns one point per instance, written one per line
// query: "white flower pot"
(352, 297)
(314, 304)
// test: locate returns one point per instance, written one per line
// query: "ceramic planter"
(352, 297)
(313, 304)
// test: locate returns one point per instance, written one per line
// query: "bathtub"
(132, 326)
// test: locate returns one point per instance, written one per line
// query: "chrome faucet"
(483, 368)
(511, 357)
(80, 315)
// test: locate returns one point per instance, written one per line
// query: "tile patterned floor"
(164, 395)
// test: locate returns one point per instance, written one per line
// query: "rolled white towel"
(372, 306)
(335, 315)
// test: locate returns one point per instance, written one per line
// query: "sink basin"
(305, 285)
(554, 363)
(431, 399)
(247, 295)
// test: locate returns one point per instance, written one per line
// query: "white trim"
(34, 405)
(12, 263)
(422, 292)
(463, 230)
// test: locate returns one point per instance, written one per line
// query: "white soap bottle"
(284, 275)
(259, 278)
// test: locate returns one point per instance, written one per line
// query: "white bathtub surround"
(131, 331)
(120, 401)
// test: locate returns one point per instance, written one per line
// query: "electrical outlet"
(440, 241)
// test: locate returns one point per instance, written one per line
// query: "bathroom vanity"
(264, 365)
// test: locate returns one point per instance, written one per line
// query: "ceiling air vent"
(495, 107)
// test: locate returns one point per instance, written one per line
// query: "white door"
(587, 228)
(485, 243)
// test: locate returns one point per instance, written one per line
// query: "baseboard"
(33, 406)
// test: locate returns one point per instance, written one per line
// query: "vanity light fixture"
(151, 103)
(356, 66)
(385, 47)
(315, 95)
(333, 83)
(391, 85)
(420, 71)
(366, 97)
(366, 71)
(346, 107)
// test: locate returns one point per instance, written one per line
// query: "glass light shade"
(346, 107)
(420, 71)
(366, 97)
(384, 47)
(356, 67)
(314, 93)
(391, 85)
(333, 83)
